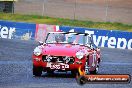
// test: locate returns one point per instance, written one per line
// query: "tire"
(37, 71)
(74, 73)
(81, 80)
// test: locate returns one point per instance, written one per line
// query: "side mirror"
(40, 43)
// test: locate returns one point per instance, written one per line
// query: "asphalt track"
(16, 67)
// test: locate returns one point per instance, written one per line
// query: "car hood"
(62, 49)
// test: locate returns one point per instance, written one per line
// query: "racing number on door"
(94, 58)
(94, 55)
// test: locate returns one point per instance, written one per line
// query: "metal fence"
(94, 10)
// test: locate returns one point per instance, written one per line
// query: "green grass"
(66, 22)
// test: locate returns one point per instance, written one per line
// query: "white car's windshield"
(71, 38)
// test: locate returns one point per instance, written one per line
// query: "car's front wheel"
(37, 71)
(74, 73)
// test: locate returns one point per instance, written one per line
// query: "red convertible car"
(66, 51)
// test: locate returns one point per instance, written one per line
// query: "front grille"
(58, 59)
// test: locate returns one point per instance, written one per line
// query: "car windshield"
(71, 38)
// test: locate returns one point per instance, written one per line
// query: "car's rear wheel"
(37, 71)
(81, 80)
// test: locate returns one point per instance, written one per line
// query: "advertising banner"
(17, 30)
(105, 38)
(43, 29)
(30, 31)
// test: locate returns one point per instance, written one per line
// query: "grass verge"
(66, 22)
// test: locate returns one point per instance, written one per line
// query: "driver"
(60, 38)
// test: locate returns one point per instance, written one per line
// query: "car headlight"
(79, 55)
(37, 51)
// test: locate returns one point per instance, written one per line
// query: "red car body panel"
(62, 49)
(66, 50)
